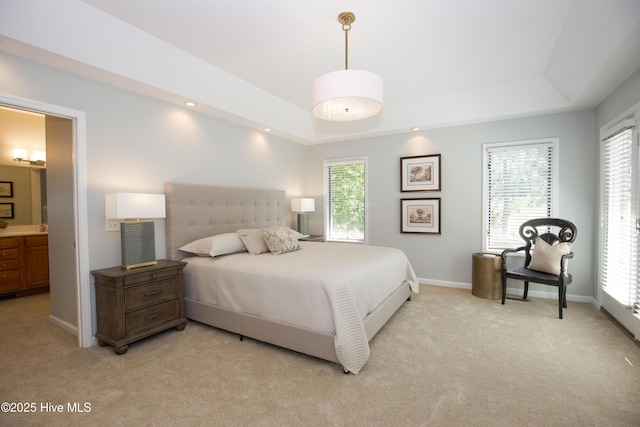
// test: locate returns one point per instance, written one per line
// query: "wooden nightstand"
(137, 303)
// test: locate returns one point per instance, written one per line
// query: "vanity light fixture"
(346, 95)
(39, 158)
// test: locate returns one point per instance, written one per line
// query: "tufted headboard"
(195, 211)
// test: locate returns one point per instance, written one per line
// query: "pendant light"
(346, 95)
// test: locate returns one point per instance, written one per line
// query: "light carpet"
(446, 358)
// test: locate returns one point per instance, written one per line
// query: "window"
(619, 263)
(519, 183)
(345, 199)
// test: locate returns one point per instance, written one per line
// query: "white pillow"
(546, 258)
(220, 244)
(296, 234)
(280, 240)
(253, 240)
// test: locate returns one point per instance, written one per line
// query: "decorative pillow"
(296, 234)
(280, 240)
(220, 244)
(546, 258)
(253, 240)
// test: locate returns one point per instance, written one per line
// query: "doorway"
(67, 209)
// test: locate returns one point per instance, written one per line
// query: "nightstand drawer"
(161, 290)
(148, 276)
(9, 254)
(149, 317)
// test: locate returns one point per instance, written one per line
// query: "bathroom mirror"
(23, 200)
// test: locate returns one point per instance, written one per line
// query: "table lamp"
(302, 206)
(137, 237)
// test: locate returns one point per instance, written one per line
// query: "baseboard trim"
(63, 325)
(552, 294)
(620, 326)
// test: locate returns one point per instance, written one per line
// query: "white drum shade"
(347, 95)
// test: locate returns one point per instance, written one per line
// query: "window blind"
(620, 249)
(346, 191)
(519, 188)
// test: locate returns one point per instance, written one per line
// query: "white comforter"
(326, 287)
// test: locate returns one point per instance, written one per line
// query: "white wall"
(446, 259)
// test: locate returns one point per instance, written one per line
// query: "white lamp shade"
(134, 205)
(39, 156)
(19, 153)
(302, 205)
(346, 95)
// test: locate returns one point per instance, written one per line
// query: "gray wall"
(446, 259)
(136, 144)
(625, 97)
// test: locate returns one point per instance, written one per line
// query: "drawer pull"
(153, 276)
(153, 316)
(4, 254)
(4, 265)
(4, 276)
(156, 292)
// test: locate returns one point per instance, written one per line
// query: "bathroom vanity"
(24, 263)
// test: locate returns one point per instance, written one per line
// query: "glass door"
(619, 293)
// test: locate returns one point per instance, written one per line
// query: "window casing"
(345, 200)
(520, 182)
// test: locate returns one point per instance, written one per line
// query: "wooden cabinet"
(24, 265)
(137, 303)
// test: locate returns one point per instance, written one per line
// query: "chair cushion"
(546, 258)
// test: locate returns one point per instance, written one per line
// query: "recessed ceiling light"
(267, 129)
(190, 104)
(415, 129)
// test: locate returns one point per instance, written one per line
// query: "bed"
(325, 300)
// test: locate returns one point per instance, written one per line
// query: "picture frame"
(420, 216)
(6, 210)
(6, 189)
(420, 173)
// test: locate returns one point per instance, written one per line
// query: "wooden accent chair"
(548, 262)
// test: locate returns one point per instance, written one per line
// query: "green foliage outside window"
(347, 201)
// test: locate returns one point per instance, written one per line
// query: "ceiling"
(443, 62)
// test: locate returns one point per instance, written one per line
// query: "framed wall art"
(6, 210)
(420, 216)
(6, 189)
(420, 173)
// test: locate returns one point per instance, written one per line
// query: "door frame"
(79, 161)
